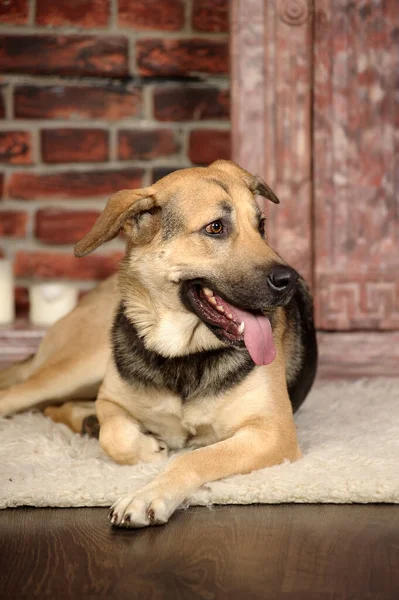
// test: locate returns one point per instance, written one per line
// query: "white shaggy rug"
(349, 435)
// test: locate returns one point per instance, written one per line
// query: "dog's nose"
(282, 279)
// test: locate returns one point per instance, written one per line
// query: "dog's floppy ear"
(120, 209)
(256, 184)
(260, 188)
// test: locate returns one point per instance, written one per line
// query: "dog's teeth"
(212, 300)
(229, 316)
(241, 327)
(220, 308)
(208, 292)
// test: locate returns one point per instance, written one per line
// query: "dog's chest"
(177, 423)
(176, 398)
(191, 377)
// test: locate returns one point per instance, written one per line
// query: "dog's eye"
(215, 228)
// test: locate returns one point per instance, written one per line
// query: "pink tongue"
(258, 336)
(258, 339)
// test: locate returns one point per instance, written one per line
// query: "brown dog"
(212, 345)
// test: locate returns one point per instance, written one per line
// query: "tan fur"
(64, 368)
(71, 413)
(250, 427)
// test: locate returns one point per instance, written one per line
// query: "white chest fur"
(177, 423)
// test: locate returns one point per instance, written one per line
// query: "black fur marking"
(172, 222)
(226, 207)
(299, 313)
(206, 373)
(91, 427)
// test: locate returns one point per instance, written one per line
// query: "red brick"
(74, 102)
(63, 227)
(207, 145)
(13, 223)
(74, 145)
(184, 103)
(138, 144)
(151, 14)
(182, 57)
(14, 12)
(210, 15)
(51, 265)
(159, 172)
(64, 55)
(84, 13)
(2, 105)
(72, 184)
(21, 295)
(15, 147)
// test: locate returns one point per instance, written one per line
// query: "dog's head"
(198, 272)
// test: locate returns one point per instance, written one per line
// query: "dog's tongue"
(258, 339)
(258, 336)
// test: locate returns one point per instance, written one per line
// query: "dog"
(204, 340)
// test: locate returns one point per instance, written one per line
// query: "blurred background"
(97, 96)
(100, 95)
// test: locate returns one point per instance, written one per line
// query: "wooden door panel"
(355, 161)
(271, 114)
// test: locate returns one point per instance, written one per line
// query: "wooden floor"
(288, 552)
(293, 552)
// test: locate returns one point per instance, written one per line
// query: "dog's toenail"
(151, 515)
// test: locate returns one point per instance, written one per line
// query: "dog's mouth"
(232, 324)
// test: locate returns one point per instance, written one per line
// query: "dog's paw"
(127, 445)
(148, 506)
(152, 449)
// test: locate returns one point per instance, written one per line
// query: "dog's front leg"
(122, 437)
(250, 448)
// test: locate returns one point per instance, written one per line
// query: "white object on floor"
(348, 431)
(49, 302)
(7, 304)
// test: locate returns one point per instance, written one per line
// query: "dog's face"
(198, 273)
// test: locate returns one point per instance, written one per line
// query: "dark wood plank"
(286, 551)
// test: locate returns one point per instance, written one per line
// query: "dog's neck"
(205, 373)
(162, 322)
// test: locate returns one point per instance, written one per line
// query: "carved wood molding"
(271, 69)
(353, 301)
(356, 165)
(247, 25)
(293, 12)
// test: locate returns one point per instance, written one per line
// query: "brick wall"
(96, 96)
